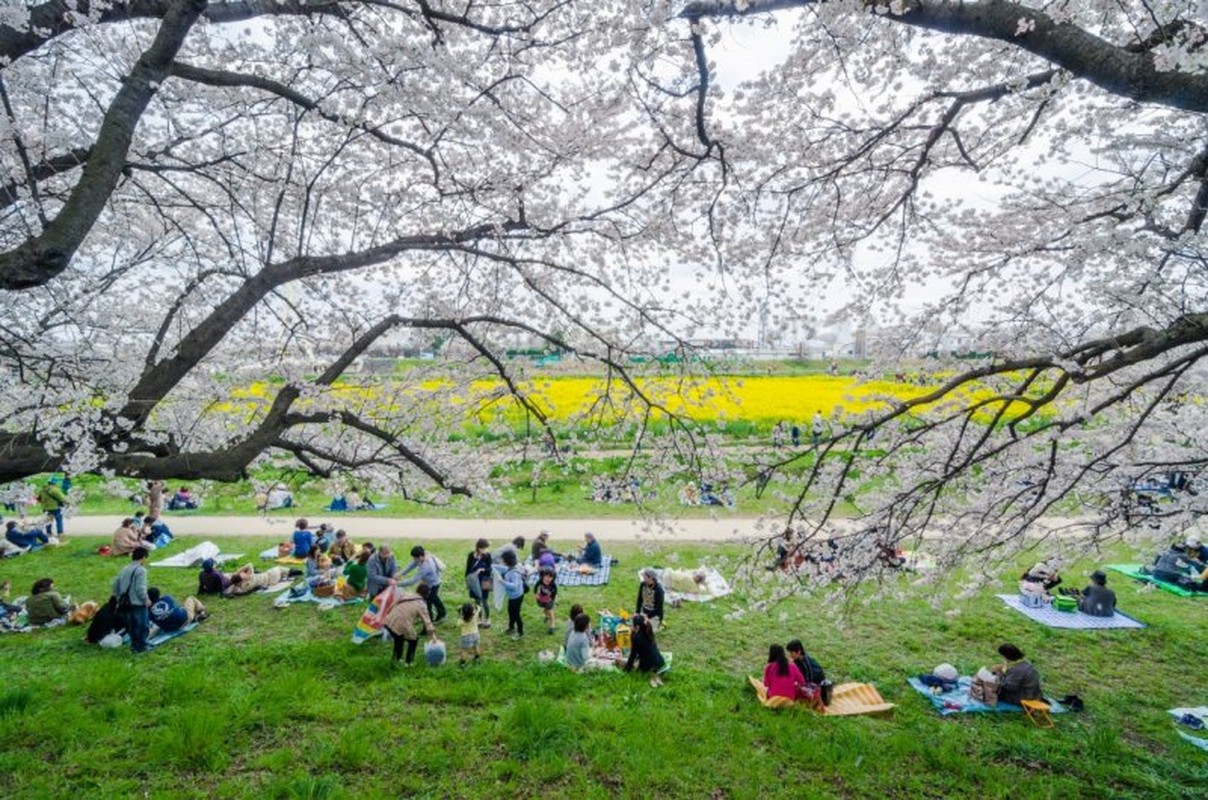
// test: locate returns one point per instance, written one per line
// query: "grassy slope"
(278, 703)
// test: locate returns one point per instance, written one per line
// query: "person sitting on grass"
(575, 610)
(106, 621)
(591, 554)
(342, 551)
(247, 580)
(644, 651)
(1096, 599)
(303, 539)
(1039, 581)
(1175, 567)
(356, 576)
(1019, 679)
(324, 537)
(26, 540)
(579, 646)
(45, 604)
(650, 598)
(127, 538)
(469, 643)
(155, 531)
(810, 669)
(410, 608)
(212, 580)
(183, 500)
(169, 616)
(781, 678)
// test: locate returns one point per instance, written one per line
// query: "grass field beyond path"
(262, 702)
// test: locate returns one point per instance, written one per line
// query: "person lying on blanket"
(169, 616)
(247, 580)
(1019, 679)
(1175, 567)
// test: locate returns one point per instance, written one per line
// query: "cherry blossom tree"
(195, 190)
(1028, 178)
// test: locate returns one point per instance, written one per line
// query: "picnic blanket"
(288, 597)
(680, 584)
(847, 700)
(1047, 615)
(568, 574)
(163, 636)
(1134, 571)
(290, 561)
(958, 701)
(195, 555)
(370, 623)
(19, 622)
(1198, 711)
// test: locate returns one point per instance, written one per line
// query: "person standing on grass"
(546, 594)
(516, 546)
(512, 581)
(155, 498)
(52, 499)
(478, 579)
(381, 570)
(817, 427)
(650, 598)
(429, 569)
(469, 642)
(130, 589)
(410, 608)
(644, 651)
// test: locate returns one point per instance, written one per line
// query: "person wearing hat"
(1096, 599)
(53, 499)
(429, 569)
(1019, 679)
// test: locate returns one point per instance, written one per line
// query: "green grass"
(261, 702)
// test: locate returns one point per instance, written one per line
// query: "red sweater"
(782, 685)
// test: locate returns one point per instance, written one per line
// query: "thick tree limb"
(41, 258)
(1113, 68)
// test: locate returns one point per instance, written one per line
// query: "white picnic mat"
(195, 555)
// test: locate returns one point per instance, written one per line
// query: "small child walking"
(546, 593)
(470, 641)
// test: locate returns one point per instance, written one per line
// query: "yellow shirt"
(469, 626)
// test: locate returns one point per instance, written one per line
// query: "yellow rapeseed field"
(763, 400)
